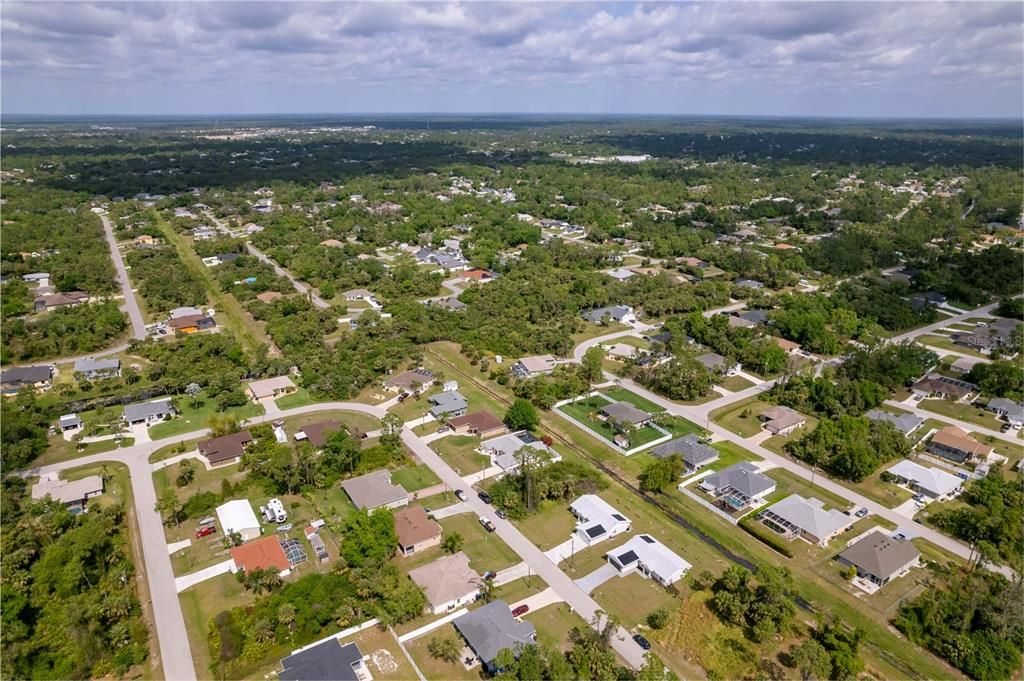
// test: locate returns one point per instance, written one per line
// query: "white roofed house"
(797, 516)
(597, 520)
(74, 494)
(622, 314)
(933, 482)
(270, 387)
(528, 367)
(648, 557)
(508, 451)
(69, 422)
(93, 369)
(237, 516)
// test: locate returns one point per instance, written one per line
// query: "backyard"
(584, 413)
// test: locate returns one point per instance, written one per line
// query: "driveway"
(193, 578)
(537, 601)
(596, 578)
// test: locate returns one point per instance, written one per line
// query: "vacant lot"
(195, 415)
(459, 451)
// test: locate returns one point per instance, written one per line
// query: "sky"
(864, 59)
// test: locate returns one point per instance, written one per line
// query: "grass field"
(620, 394)
(435, 668)
(787, 483)
(964, 412)
(192, 418)
(731, 417)
(735, 383)
(582, 412)
(62, 450)
(414, 478)
(299, 398)
(591, 330)
(460, 453)
(553, 624)
(549, 526)
(943, 342)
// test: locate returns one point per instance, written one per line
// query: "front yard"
(196, 417)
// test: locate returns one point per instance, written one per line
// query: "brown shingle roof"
(479, 421)
(955, 438)
(225, 447)
(412, 525)
(317, 433)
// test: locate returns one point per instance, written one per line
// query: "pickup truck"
(488, 525)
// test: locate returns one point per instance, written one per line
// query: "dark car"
(640, 641)
(460, 495)
(484, 497)
(521, 610)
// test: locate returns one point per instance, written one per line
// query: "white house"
(237, 516)
(932, 482)
(648, 557)
(448, 582)
(597, 520)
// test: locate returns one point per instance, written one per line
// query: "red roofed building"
(477, 274)
(263, 553)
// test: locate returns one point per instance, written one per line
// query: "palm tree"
(286, 616)
(263, 631)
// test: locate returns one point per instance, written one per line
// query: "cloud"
(742, 57)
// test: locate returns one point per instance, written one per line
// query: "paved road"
(131, 305)
(1010, 437)
(175, 654)
(282, 272)
(914, 333)
(923, 531)
(566, 589)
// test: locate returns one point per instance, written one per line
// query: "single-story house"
(780, 420)
(504, 449)
(270, 387)
(650, 558)
(933, 482)
(694, 453)
(739, 322)
(789, 346)
(624, 414)
(481, 423)
(448, 582)
(623, 314)
(191, 323)
(54, 301)
(797, 516)
(478, 274)
(716, 363)
(622, 351)
(416, 530)
(358, 294)
(332, 243)
(447, 404)
(317, 433)
(72, 493)
(879, 558)
(98, 368)
(69, 422)
(956, 445)
(450, 303)
(994, 335)
(375, 490)
(739, 485)
(597, 520)
(328, 660)
(1011, 412)
(749, 283)
(937, 385)
(14, 379)
(263, 554)
(758, 317)
(963, 365)
(491, 628)
(905, 423)
(237, 516)
(185, 312)
(414, 381)
(226, 449)
(528, 367)
(148, 412)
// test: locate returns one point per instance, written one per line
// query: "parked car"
(501, 513)
(460, 495)
(520, 610)
(862, 513)
(489, 575)
(205, 531)
(642, 642)
(484, 497)
(486, 522)
(285, 528)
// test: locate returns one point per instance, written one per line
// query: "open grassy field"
(194, 418)
(943, 342)
(964, 412)
(549, 526)
(592, 330)
(435, 668)
(63, 450)
(415, 477)
(459, 451)
(787, 483)
(620, 394)
(731, 417)
(299, 398)
(735, 383)
(553, 623)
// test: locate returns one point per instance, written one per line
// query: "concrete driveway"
(596, 578)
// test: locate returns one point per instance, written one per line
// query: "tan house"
(954, 444)
(481, 423)
(416, 531)
(270, 387)
(448, 583)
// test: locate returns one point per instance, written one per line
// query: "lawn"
(549, 526)
(192, 418)
(63, 450)
(299, 398)
(354, 421)
(887, 494)
(582, 413)
(459, 451)
(591, 330)
(620, 394)
(963, 412)
(731, 417)
(730, 453)
(944, 343)
(633, 598)
(386, 661)
(486, 550)
(200, 604)
(434, 668)
(553, 623)
(414, 478)
(788, 483)
(735, 383)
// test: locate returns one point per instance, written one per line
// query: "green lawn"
(549, 526)
(730, 453)
(634, 598)
(62, 450)
(937, 341)
(414, 478)
(553, 624)
(581, 411)
(788, 483)
(735, 383)
(192, 418)
(964, 412)
(436, 668)
(486, 550)
(620, 394)
(460, 453)
(887, 494)
(299, 398)
(200, 604)
(592, 330)
(731, 417)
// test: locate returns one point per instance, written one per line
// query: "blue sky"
(808, 58)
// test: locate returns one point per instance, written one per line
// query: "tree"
(222, 424)
(286, 616)
(661, 473)
(391, 429)
(813, 661)
(193, 390)
(658, 619)
(168, 506)
(521, 416)
(655, 670)
(186, 473)
(444, 647)
(452, 542)
(592, 365)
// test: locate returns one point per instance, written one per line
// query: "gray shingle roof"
(373, 490)
(88, 364)
(26, 374)
(905, 423)
(693, 451)
(880, 555)
(624, 412)
(327, 661)
(140, 411)
(491, 629)
(743, 477)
